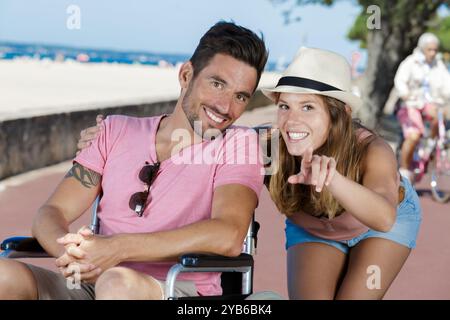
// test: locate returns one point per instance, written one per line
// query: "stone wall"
(37, 142)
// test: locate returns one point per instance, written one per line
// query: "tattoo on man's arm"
(87, 177)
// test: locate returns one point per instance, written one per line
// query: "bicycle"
(434, 152)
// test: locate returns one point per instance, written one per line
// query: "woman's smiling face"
(303, 120)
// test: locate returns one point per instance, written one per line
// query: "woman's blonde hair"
(342, 144)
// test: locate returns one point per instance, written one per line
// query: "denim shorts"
(404, 231)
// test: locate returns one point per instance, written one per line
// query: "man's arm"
(223, 234)
(70, 200)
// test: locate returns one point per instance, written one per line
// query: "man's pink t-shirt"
(183, 190)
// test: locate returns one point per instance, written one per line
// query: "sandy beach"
(31, 87)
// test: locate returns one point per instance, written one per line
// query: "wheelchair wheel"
(440, 176)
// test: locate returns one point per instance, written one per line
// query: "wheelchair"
(236, 272)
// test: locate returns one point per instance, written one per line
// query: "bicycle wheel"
(440, 175)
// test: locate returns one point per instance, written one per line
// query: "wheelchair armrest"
(22, 247)
(207, 260)
(21, 244)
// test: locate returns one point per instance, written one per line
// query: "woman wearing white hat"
(351, 219)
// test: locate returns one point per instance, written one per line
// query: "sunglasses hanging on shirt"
(138, 200)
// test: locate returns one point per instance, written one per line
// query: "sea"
(12, 50)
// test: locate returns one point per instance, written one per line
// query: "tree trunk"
(384, 56)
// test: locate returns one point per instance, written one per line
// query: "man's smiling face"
(218, 95)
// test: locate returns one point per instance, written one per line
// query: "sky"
(175, 26)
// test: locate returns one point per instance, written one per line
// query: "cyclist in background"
(421, 80)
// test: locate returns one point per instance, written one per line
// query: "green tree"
(439, 26)
(358, 32)
(401, 24)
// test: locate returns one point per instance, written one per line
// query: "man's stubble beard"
(192, 117)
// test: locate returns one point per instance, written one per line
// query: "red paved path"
(425, 275)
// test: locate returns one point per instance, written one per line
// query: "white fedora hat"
(317, 71)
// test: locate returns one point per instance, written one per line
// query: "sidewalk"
(424, 276)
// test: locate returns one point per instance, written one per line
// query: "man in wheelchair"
(421, 80)
(159, 200)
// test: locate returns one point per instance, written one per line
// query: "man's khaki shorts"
(53, 286)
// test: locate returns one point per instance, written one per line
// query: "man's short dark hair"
(233, 40)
